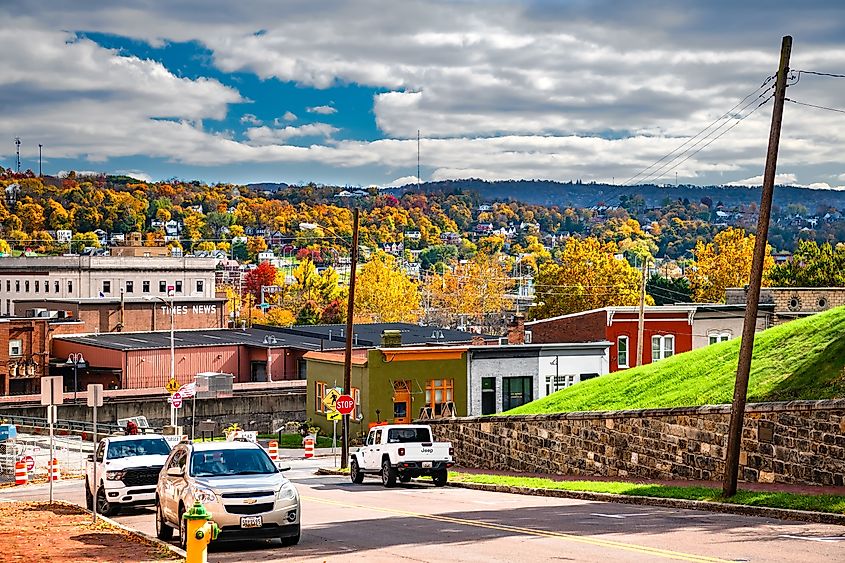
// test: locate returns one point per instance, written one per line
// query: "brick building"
(790, 303)
(25, 352)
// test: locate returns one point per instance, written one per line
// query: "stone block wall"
(791, 302)
(799, 442)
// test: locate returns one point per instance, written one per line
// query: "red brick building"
(25, 352)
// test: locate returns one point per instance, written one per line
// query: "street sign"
(333, 415)
(344, 404)
(95, 394)
(330, 398)
(30, 462)
(171, 290)
(172, 386)
(270, 289)
(176, 400)
(51, 390)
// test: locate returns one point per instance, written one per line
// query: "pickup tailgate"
(427, 451)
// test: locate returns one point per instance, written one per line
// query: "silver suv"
(238, 484)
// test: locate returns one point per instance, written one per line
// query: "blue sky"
(334, 92)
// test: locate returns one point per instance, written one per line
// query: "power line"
(685, 143)
(814, 106)
(816, 73)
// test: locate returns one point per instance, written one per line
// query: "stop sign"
(176, 400)
(30, 463)
(344, 404)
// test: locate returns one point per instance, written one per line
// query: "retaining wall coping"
(783, 406)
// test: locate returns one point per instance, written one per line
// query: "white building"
(79, 277)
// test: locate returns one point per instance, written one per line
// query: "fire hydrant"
(201, 530)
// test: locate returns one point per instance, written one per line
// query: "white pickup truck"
(401, 452)
(127, 471)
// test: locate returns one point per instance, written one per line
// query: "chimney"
(516, 329)
(391, 338)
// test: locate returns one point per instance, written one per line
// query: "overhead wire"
(814, 105)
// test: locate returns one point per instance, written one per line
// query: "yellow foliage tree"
(723, 263)
(588, 276)
(384, 293)
(5, 249)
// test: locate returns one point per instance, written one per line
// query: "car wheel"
(105, 507)
(183, 528)
(89, 498)
(355, 472)
(288, 541)
(440, 478)
(163, 531)
(404, 478)
(388, 474)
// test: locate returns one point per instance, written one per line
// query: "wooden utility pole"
(641, 319)
(753, 296)
(347, 357)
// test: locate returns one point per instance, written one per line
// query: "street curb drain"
(709, 506)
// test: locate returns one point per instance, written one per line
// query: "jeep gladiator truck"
(401, 452)
(127, 471)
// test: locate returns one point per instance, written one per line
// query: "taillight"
(401, 451)
(451, 451)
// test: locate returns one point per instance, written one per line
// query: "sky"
(335, 91)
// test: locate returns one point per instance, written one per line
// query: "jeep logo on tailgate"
(427, 450)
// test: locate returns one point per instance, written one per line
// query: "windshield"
(130, 448)
(231, 462)
(404, 435)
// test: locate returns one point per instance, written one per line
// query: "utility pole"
(418, 159)
(641, 319)
(347, 356)
(39, 159)
(753, 297)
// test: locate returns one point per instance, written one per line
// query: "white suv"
(238, 484)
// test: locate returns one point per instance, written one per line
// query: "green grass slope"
(801, 359)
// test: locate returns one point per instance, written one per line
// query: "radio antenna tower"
(418, 159)
(18, 153)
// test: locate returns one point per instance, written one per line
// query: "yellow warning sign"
(333, 415)
(172, 386)
(330, 398)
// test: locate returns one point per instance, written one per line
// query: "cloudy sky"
(335, 91)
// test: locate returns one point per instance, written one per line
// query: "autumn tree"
(812, 265)
(384, 293)
(724, 262)
(5, 249)
(262, 275)
(588, 276)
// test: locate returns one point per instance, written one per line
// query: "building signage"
(190, 309)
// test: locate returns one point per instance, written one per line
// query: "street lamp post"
(76, 360)
(172, 345)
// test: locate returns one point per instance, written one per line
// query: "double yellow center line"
(653, 551)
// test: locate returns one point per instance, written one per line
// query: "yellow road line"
(664, 553)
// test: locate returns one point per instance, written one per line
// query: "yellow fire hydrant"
(200, 533)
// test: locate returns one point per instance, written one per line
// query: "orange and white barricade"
(308, 442)
(55, 472)
(273, 450)
(21, 474)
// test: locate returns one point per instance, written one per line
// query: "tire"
(388, 474)
(404, 478)
(183, 528)
(440, 478)
(163, 530)
(89, 497)
(288, 541)
(105, 507)
(355, 473)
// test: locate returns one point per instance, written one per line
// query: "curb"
(328, 471)
(709, 506)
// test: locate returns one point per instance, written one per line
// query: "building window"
(17, 286)
(558, 382)
(356, 396)
(302, 369)
(719, 337)
(662, 347)
(8, 285)
(622, 351)
(46, 287)
(488, 395)
(200, 286)
(145, 286)
(528, 337)
(516, 391)
(106, 287)
(162, 287)
(56, 286)
(439, 397)
(319, 393)
(178, 287)
(70, 287)
(130, 286)
(16, 347)
(26, 286)
(37, 286)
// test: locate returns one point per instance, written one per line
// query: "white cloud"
(786, 179)
(403, 181)
(250, 119)
(322, 110)
(289, 116)
(137, 174)
(269, 135)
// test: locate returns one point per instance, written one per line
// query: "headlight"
(115, 475)
(287, 492)
(204, 495)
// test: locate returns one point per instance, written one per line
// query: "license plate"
(426, 465)
(251, 522)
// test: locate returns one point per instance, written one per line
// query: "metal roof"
(370, 334)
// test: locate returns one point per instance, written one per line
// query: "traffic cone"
(21, 474)
(56, 473)
(308, 442)
(273, 450)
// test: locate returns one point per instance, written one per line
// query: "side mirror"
(282, 467)
(175, 471)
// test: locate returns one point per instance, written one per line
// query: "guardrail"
(75, 426)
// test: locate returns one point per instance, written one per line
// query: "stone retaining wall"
(798, 442)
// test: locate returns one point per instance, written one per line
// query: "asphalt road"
(419, 522)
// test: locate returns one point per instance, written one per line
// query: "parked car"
(401, 452)
(237, 482)
(127, 471)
